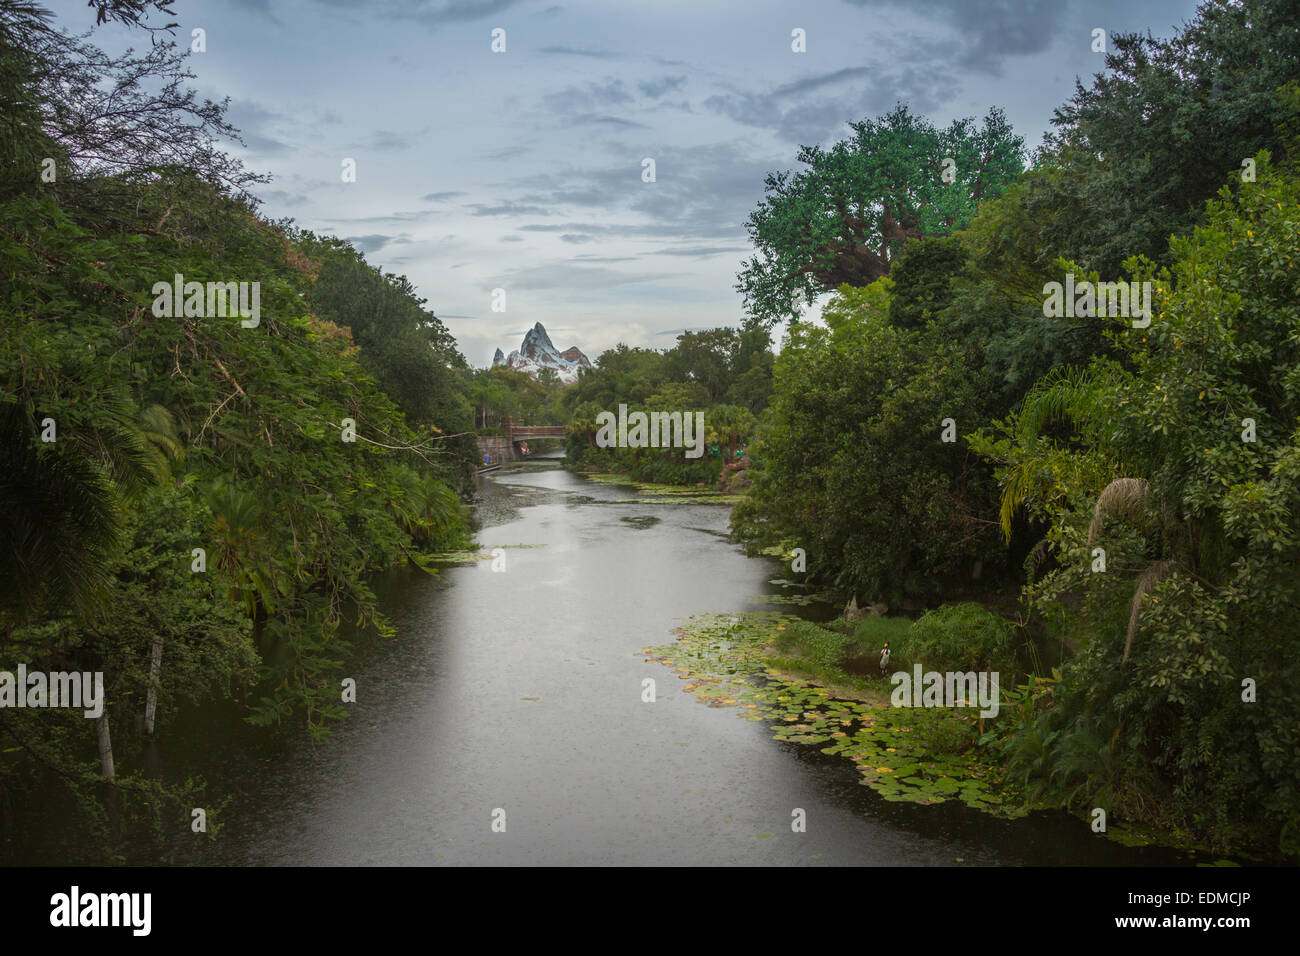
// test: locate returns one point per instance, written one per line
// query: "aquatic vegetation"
(796, 600)
(678, 494)
(799, 600)
(640, 522)
(470, 557)
(916, 755)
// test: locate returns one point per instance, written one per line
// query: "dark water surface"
(521, 690)
(445, 731)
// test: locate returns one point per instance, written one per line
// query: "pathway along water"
(521, 690)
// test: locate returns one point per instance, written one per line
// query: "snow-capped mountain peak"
(537, 352)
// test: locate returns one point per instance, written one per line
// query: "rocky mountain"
(536, 353)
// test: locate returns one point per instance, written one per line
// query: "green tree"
(708, 357)
(1169, 483)
(845, 218)
(1144, 147)
(852, 466)
(730, 427)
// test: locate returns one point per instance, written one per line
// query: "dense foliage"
(190, 503)
(852, 466)
(1137, 483)
(1170, 489)
(724, 373)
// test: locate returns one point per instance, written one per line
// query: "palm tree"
(729, 425)
(236, 528)
(1045, 470)
(424, 505)
(60, 513)
(59, 504)
(1042, 469)
(1129, 499)
(58, 523)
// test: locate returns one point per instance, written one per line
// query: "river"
(520, 690)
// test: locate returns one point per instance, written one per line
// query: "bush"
(960, 637)
(949, 735)
(872, 633)
(836, 656)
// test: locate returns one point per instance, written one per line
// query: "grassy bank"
(803, 681)
(820, 685)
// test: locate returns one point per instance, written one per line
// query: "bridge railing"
(518, 432)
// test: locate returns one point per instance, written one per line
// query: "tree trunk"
(151, 696)
(105, 746)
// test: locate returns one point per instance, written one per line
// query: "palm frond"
(1041, 468)
(1063, 394)
(58, 523)
(1146, 584)
(1123, 498)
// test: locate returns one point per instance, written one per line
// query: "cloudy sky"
(522, 170)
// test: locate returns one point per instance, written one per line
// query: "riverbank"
(698, 493)
(812, 679)
(765, 664)
(813, 685)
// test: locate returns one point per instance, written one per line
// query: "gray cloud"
(796, 118)
(594, 96)
(394, 217)
(563, 274)
(285, 198)
(593, 119)
(657, 88)
(255, 124)
(430, 12)
(815, 82)
(386, 139)
(985, 34)
(373, 242)
(699, 252)
(507, 209)
(702, 193)
(508, 152)
(574, 51)
(259, 6)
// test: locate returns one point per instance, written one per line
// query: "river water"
(520, 691)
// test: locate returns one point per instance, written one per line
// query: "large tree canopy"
(845, 217)
(1142, 149)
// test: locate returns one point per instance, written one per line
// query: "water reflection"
(520, 690)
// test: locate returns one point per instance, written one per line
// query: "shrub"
(961, 637)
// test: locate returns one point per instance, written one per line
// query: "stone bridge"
(495, 450)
